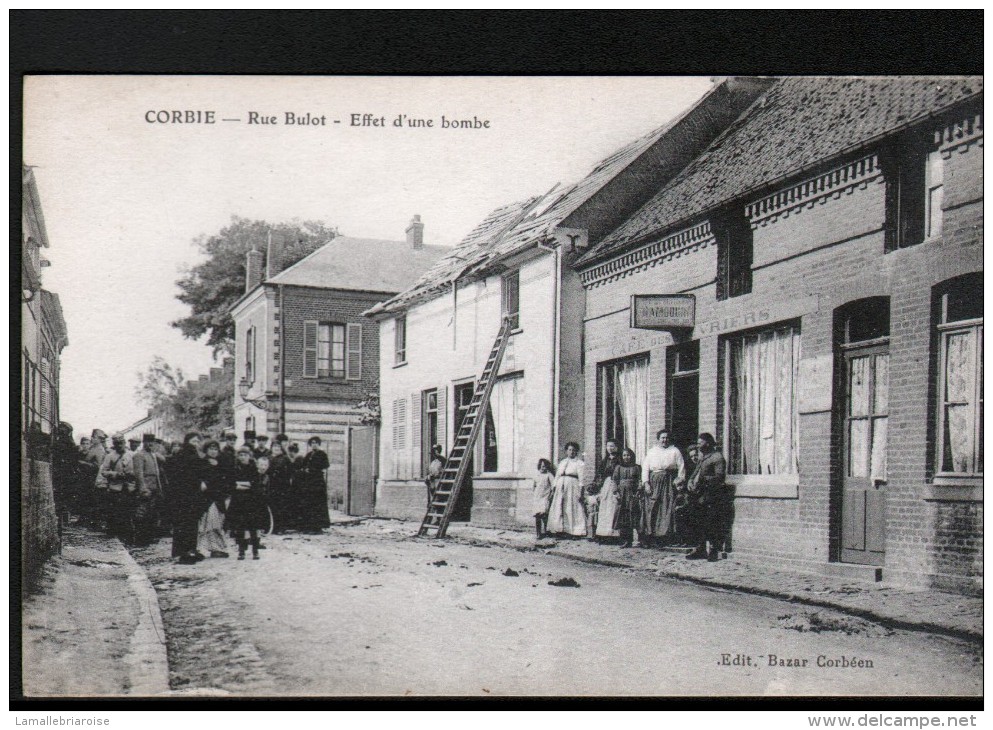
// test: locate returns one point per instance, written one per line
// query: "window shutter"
(415, 432)
(45, 405)
(310, 349)
(443, 417)
(403, 462)
(353, 354)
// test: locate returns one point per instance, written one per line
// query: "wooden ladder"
(439, 512)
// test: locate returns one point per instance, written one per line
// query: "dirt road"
(368, 610)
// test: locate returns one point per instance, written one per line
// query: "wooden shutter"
(45, 404)
(310, 349)
(443, 417)
(415, 434)
(403, 461)
(353, 352)
(395, 429)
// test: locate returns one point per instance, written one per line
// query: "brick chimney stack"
(274, 255)
(253, 270)
(415, 233)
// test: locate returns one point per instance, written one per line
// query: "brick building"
(43, 336)
(813, 297)
(439, 332)
(305, 355)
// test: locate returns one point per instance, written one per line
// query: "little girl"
(542, 497)
(627, 482)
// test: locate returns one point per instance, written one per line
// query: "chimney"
(274, 254)
(415, 233)
(227, 365)
(253, 270)
(202, 379)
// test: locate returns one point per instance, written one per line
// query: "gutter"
(556, 250)
(282, 361)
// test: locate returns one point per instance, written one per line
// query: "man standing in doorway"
(707, 485)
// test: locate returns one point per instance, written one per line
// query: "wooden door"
(864, 444)
(360, 498)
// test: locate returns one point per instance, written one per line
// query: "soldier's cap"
(249, 435)
(148, 438)
(134, 440)
(118, 439)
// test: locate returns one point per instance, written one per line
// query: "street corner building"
(810, 290)
(43, 337)
(516, 264)
(306, 360)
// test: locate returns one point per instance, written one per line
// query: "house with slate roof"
(516, 262)
(809, 290)
(305, 356)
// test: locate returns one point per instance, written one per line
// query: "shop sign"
(663, 311)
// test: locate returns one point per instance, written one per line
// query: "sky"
(124, 197)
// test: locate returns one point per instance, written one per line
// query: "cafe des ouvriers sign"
(663, 311)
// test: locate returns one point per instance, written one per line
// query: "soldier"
(133, 444)
(707, 484)
(117, 476)
(148, 483)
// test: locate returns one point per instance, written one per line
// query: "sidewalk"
(94, 627)
(916, 610)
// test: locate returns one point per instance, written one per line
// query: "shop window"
(733, 233)
(761, 387)
(511, 298)
(914, 191)
(503, 436)
(400, 340)
(623, 405)
(960, 377)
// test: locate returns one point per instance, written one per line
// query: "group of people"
(200, 490)
(655, 499)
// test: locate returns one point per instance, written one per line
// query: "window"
(332, 350)
(914, 192)
(761, 389)
(429, 426)
(511, 298)
(400, 340)
(250, 355)
(733, 233)
(960, 381)
(623, 405)
(503, 437)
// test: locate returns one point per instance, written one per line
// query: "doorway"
(865, 411)
(683, 402)
(462, 511)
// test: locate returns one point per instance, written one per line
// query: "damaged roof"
(513, 228)
(800, 121)
(361, 264)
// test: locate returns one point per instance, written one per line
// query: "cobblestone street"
(367, 610)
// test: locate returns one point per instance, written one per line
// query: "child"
(542, 497)
(627, 481)
(247, 513)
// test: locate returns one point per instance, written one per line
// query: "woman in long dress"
(280, 494)
(663, 470)
(566, 514)
(627, 478)
(607, 496)
(313, 489)
(210, 531)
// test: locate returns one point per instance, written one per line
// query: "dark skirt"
(247, 511)
(658, 505)
(628, 508)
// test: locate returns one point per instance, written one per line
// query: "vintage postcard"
(502, 386)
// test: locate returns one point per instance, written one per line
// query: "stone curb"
(147, 660)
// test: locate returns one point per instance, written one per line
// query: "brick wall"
(335, 306)
(809, 261)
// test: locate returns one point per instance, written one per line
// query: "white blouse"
(571, 468)
(660, 459)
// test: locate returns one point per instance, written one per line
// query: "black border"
(468, 43)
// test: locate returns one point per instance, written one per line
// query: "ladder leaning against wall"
(439, 512)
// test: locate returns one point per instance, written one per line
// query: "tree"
(187, 405)
(210, 288)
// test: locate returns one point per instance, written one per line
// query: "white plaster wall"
(443, 349)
